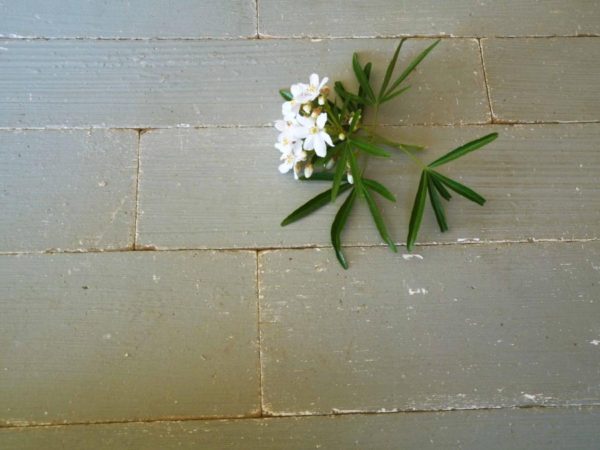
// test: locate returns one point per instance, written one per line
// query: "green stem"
(395, 145)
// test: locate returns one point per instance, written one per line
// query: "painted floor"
(150, 299)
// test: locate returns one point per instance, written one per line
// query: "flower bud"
(330, 164)
(321, 100)
(341, 136)
(350, 178)
(307, 108)
(308, 170)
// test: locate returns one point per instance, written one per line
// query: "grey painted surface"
(131, 19)
(127, 336)
(536, 80)
(170, 83)
(456, 327)
(340, 18)
(67, 190)
(207, 188)
(551, 428)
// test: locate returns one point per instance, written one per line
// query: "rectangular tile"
(537, 80)
(131, 19)
(168, 83)
(456, 327)
(338, 18)
(543, 429)
(127, 336)
(220, 188)
(67, 190)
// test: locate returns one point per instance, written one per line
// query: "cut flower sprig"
(321, 139)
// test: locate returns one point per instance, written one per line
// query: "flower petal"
(314, 80)
(326, 138)
(320, 147)
(321, 120)
(323, 83)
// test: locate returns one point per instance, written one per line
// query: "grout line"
(292, 415)
(260, 350)
(260, 36)
(485, 80)
(149, 248)
(496, 122)
(137, 191)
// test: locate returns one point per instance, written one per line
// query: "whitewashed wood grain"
(537, 429)
(168, 83)
(131, 19)
(537, 80)
(127, 336)
(455, 327)
(220, 188)
(355, 18)
(67, 190)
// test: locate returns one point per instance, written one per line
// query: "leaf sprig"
(355, 142)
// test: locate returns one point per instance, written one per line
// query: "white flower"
(313, 131)
(291, 109)
(308, 92)
(288, 129)
(292, 159)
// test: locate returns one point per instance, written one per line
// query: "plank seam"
(137, 190)
(485, 80)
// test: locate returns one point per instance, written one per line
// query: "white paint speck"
(155, 278)
(107, 336)
(595, 342)
(422, 291)
(409, 256)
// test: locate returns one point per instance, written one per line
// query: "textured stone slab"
(168, 83)
(455, 327)
(131, 19)
(339, 18)
(67, 189)
(543, 429)
(127, 336)
(536, 80)
(220, 188)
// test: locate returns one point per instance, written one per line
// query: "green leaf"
(464, 149)
(378, 219)
(312, 205)
(412, 66)
(390, 70)
(345, 95)
(437, 206)
(362, 79)
(379, 188)
(411, 147)
(287, 95)
(417, 212)
(440, 188)
(340, 169)
(355, 170)
(338, 225)
(459, 188)
(369, 148)
(388, 97)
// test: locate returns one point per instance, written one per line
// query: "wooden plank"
(131, 19)
(455, 327)
(339, 18)
(543, 429)
(221, 188)
(127, 336)
(168, 83)
(67, 190)
(535, 80)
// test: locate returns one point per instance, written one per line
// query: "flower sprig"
(321, 139)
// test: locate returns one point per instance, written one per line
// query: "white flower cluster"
(302, 131)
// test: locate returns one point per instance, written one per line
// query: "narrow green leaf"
(388, 97)
(411, 147)
(355, 170)
(340, 169)
(440, 188)
(378, 219)
(362, 79)
(417, 212)
(464, 149)
(412, 66)
(437, 206)
(390, 70)
(312, 205)
(459, 188)
(379, 188)
(369, 148)
(345, 95)
(338, 225)
(367, 70)
(287, 95)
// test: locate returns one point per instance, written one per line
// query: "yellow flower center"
(314, 130)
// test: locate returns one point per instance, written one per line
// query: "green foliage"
(354, 143)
